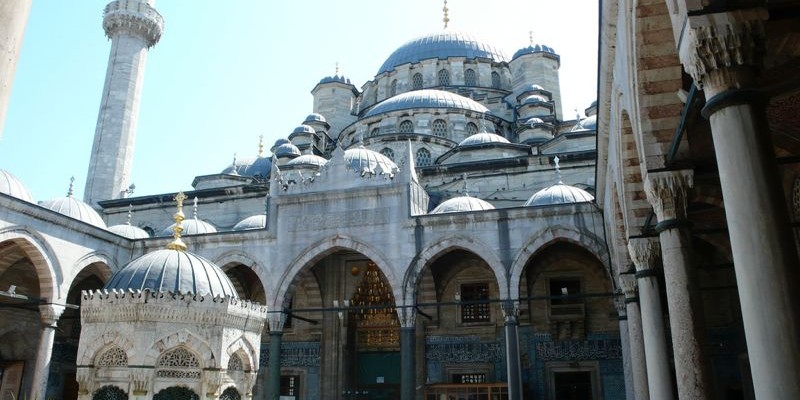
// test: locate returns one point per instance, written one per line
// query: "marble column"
(513, 364)
(276, 321)
(50, 313)
(635, 337)
(723, 52)
(408, 351)
(624, 340)
(644, 254)
(667, 191)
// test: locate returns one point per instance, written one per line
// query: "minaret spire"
(133, 27)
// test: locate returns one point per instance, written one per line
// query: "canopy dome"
(534, 48)
(426, 98)
(191, 226)
(314, 117)
(308, 160)
(10, 185)
(252, 222)
(362, 160)
(175, 271)
(74, 208)
(441, 45)
(559, 193)
(129, 231)
(482, 138)
(462, 203)
(286, 150)
(258, 167)
(303, 129)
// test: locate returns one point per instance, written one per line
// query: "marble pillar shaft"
(274, 380)
(408, 367)
(659, 377)
(43, 355)
(636, 340)
(513, 360)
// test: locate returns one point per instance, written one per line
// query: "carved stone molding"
(629, 287)
(667, 191)
(135, 18)
(645, 253)
(50, 313)
(510, 310)
(407, 316)
(713, 46)
(276, 320)
(619, 304)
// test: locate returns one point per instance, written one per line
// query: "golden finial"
(177, 243)
(260, 145)
(446, 18)
(530, 37)
(71, 190)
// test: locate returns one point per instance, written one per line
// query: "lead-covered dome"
(286, 150)
(441, 45)
(482, 138)
(534, 48)
(559, 193)
(252, 222)
(311, 160)
(426, 98)
(363, 160)
(74, 208)
(10, 185)
(302, 129)
(174, 271)
(258, 167)
(191, 226)
(129, 231)
(461, 204)
(314, 117)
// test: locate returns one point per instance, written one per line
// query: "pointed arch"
(427, 256)
(35, 247)
(93, 348)
(95, 257)
(186, 339)
(246, 351)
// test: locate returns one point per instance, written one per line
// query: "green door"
(379, 373)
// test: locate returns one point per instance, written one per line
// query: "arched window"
(406, 127)
(444, 77)
(469, 77)
(110, 393)
(178, 363)
(423, 158)
(230, 394)
(440, 127)
(416, 81)
(471, 128)
(393, 88)
(176, 393)
(495, 80)
(389, 153)
(113, 357)
(375, 132)
(235, 363)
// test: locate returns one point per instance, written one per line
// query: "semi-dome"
(535, 48)
(482, 138)
(191, 226)
(309, 160)
(174, 271)
(441, 45)
(586, 124)
(10, 185)
(129, 231)
(314, 117)
(74, 208)
(462, 203)
(559, 193)
(304, 129)
(426, 98)
(286, 150)
(363, 160)
(252, 222)
(258, 167)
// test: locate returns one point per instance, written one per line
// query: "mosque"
(443, 231)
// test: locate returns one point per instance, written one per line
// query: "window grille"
(406, 127)
(440, 127)
(471, 128)
(235, 363)
(389, 153)
(416, 81)
(113, 357)
(230, 394)
(375, 132)
(469, 78)
(110, 393)
(393, 89)
(444, 77)
(178, 364)
(495, 80)
(423, 158)
(475, 309)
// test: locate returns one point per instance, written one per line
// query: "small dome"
(286, 150)
(280, 142)
(534, 121)
(129, 231)
(462, 203)
(441, 45)
(75, 208)
(10, 185)
(536, 48)
(586, 124)
(335, 79)
(253, 222)
(191, 226)
(304, 129)
(426, 98)
(364, 160)
(308, 159)
(314, 117)
(535, 98)
(482, 138)
(258, 167)
(559, 193)
(532, 87)
(174, 271)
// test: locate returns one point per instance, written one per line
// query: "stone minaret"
(133, 27)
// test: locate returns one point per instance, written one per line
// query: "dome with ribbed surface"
(173, 271)
(303, 129)
(309, 160)
(536, 48)
(364, 160)
(441, 45)
(426, 98)
(314, 117)
(10, 185)
(461, 204)
(191, 226)
(559, 193)
(482, 138)
(129, 231)
(252, 222)
(74, 208)
(535, 98)
(258, 167)
(286, 150)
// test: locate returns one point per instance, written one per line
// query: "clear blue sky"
(226, 72)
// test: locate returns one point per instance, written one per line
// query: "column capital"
(721, 50)
(667, 191)
(644, 252)
(275, 321)
(50, 313)
(622, 308)
(407, 316)
(510, 310)
(629, 287)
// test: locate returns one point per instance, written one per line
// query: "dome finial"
(194, 208)
(177, 243)
(530, 37)
(260, 145)
(558, 170)
(71, 189)
(130, 214)
(446, 18)
(466, 184)
(337, 69)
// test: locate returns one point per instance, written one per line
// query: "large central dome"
(441, 45)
